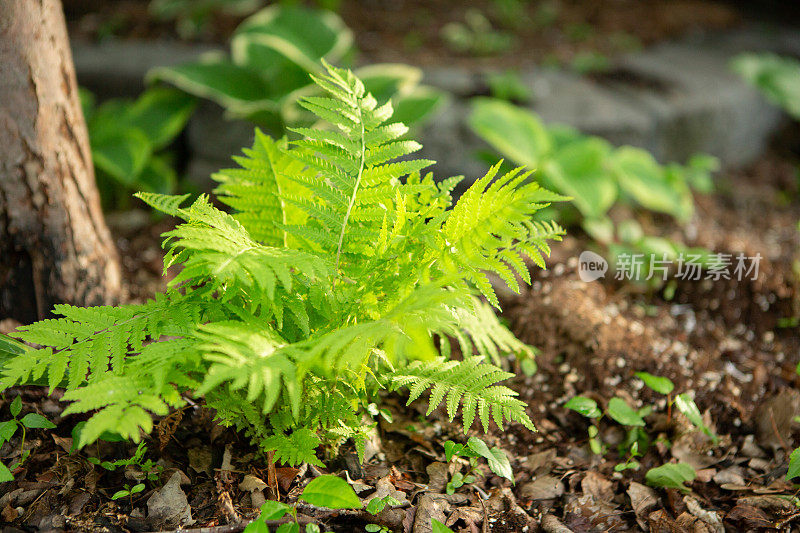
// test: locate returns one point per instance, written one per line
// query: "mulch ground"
(722, 342)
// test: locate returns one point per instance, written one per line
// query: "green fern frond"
(214, 246)
(490, 227)
(296, 448)
(341, 264)
(470, 383)
(248, 357)
(260, 189)
(354, 179)
(92, 344)
(487, 335)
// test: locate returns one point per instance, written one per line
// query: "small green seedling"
(476, 36)
(9, 428)
(619, 411)
(376, 505)
(128, 491)
(682, 402)
(147, 467)
(794, 465)
(631, 463)
(438, 527)
(324, 491)
(472, 450)
(508, 85)
(671, 476)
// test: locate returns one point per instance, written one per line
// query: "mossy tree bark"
(54, 244)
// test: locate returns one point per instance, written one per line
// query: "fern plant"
(342, 271)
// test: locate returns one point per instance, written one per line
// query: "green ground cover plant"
(129, 140)
(342, 272)
(776, 77)
(638, 439)
(596, 175)
(271, 55)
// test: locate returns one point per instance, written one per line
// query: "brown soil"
(719, 341)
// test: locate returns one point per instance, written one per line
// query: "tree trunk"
(54, 244)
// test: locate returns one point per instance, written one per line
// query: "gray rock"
(213, 136)
(118, 68)
(168, 506)
(707, 108)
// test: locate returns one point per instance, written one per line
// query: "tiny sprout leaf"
(139, 487)
(256, 526)
(7, 430)
(623, 413)
(498, 462)
(659, 384)
(36, 421)
(584, 406)
(794, 465)
(5, 474)
(331, 492)
(272, 510)
(452, 449)
(312, 528)
(438, 527)
(671, 476)
(687, 406)
(120, 494)
(291, 527)
(528, 366)
(16, 406)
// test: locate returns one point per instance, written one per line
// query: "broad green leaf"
(579, 170)
(620, 411)
(256, 526)
(418, 106)
(16, 406)
(122, 155)
(451, 449)
(438, 527)
(584, 406)
(778, 78)
(158, 176)
(272, 510)
(161, 113)
(497, 459)
(11, 347)
(671, 476)
(291, 527)
(36, 421)
(7, 430)
(686, 405)
(516, 133)
(298, 34)
(239, 89)
(659, 384)
(650, 184)
(794, 465)
(120, 494)
(331, 492)
(5, 474)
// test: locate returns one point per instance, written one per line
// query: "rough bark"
(54, 244)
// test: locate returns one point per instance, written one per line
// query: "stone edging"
(674, 99)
